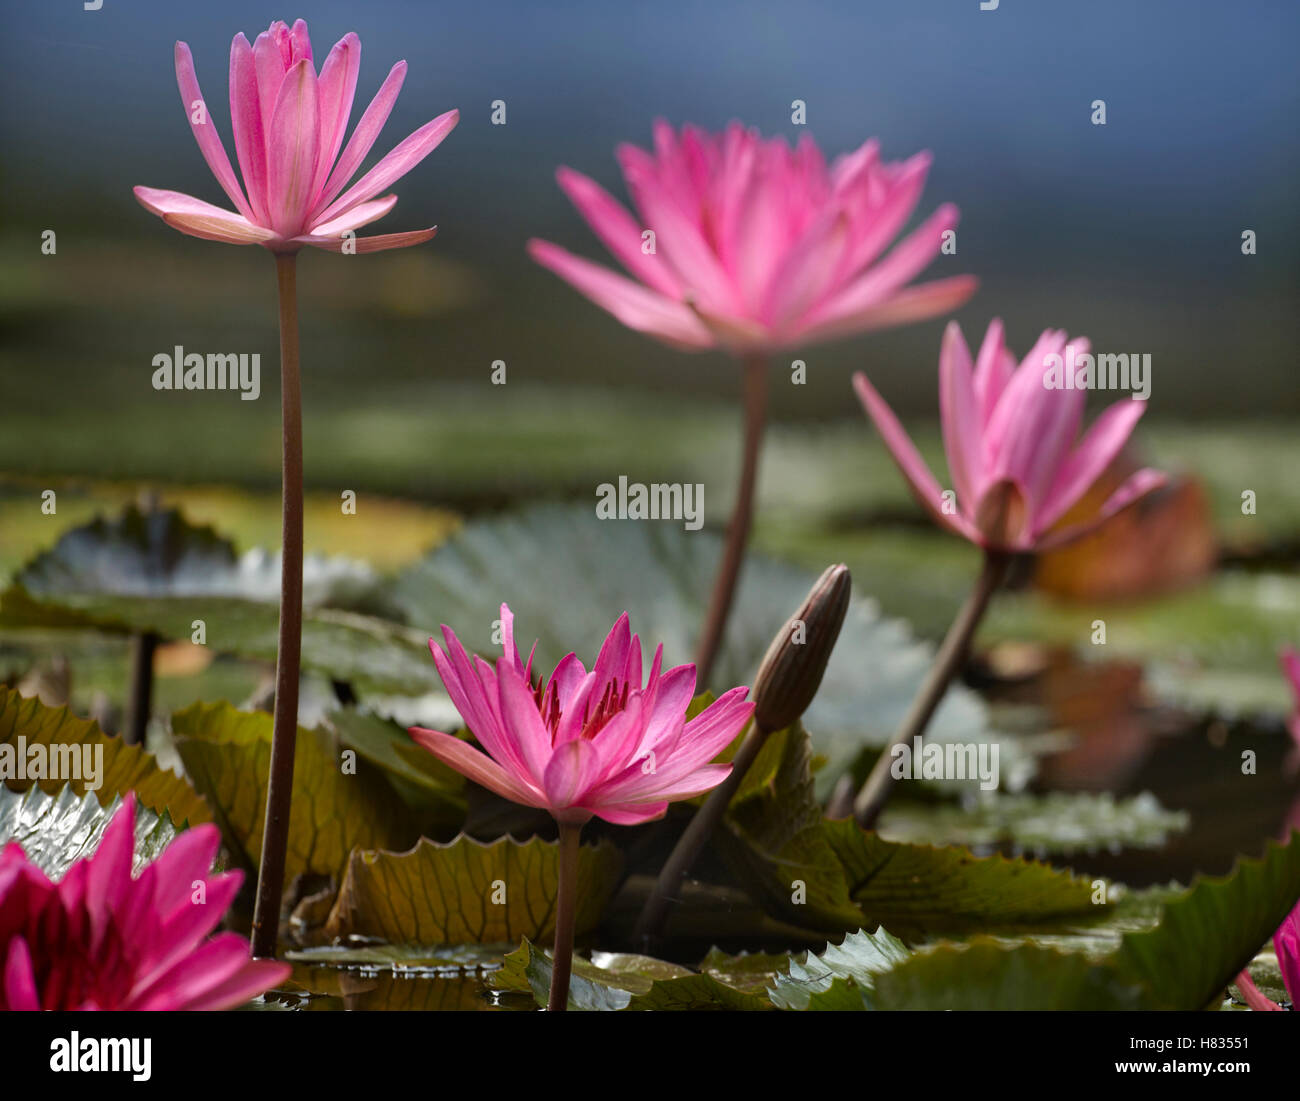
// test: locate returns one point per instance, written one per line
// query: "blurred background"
(1129, 233)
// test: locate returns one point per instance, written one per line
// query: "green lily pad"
(468, 892)
(404, 959)
(833, 875)
(835, 978)
(1204, 937)
(620, 981)
(752, 972)
(437, 790)
(153, 572)
(122, 767)
(1057, 824)
(228, 753)
(55, 831)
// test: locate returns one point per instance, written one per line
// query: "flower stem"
(650, 923)
(566, 912)
(952, 653)
(733, 554)
(140, 702)
(279, 786)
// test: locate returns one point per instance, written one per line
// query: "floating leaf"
(426, 782)
(1209, 934)
(347, 646)
(1205, 936)
(411, 960)
(833, 875)
(1058, 823)
(124, 767)
(839, 976)
(751, 972)
(921, 890)
(984, 975)
(55, 831)
(228, 754)
(620, 981)
(467, 892)
(153, 572)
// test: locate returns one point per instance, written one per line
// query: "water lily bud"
(794, 664)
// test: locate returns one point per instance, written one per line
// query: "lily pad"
(55, 831)
(338, 803)
(153, 572)
(410, 960)
(467, 892)
(1205, 935)
(424, 781)
(121, 767)
(613, 981)
(833, 875)
(841, 973)
(1056, 824)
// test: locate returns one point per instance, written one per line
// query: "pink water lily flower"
(100, 939)
(605, 742)
(1015, 465)
(289, 124)
(747, 244)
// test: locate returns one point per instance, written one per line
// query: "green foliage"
(125, 767)
(468, 892)
(228, 753)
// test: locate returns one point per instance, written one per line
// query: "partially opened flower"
(756, 246)
(610, 741)
(100, 939)
(289, 124)
(1016, 464)
(1286, 945)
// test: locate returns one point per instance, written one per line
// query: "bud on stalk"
(793, 667)
(787, 681)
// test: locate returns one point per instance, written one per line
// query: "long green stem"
(733, 554)
(952, 653)
(566, 912)
(279, 787)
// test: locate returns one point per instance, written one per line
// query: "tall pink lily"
(1010, 434)
(289, 123)
(609, 742)
(103, 939)
(747, 245)
(289, 126)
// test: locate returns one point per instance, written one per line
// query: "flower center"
(596, 712)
